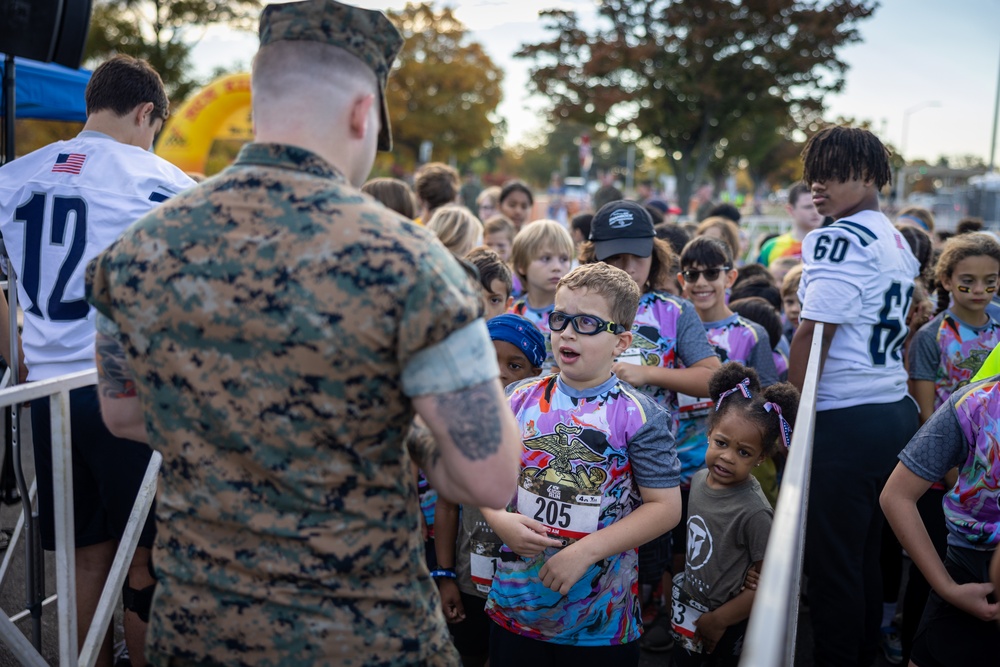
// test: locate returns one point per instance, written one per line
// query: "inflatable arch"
(220, 110)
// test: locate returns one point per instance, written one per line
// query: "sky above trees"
(913, 51)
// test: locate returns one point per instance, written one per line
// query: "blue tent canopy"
(47, 91)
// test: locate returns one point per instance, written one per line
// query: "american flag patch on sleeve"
(69, 163)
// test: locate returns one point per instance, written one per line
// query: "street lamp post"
(901, 184)
(993, 136)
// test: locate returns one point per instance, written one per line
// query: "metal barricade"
(62, 473)
(770, 638)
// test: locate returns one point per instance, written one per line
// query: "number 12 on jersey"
(890, 332)
(32, 214)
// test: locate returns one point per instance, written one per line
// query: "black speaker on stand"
(52, 31)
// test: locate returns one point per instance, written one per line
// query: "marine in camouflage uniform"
(269, 318)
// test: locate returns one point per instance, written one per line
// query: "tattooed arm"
(120, 405)
(420, 443)
(477, 444)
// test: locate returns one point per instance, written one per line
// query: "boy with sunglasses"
(598, 478)
(707, 271)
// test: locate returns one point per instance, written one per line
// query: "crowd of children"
(646, 366)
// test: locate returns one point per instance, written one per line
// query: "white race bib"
(684, 611)
(565, 511)
(633, 355)
(483, 557)
(689, 407)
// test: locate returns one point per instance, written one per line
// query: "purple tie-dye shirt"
(585, 455)
(540, 318)
(666, 333)
(949, 352)
(967, 435)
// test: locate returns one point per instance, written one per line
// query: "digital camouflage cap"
(367, 34)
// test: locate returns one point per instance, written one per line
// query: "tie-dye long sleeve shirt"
(585, 455)
(540, 318)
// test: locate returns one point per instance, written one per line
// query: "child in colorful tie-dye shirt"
(944, 356)
(541, 256)
(669, 353)
(706, 272)
(805, 218)
(959, 622)
(948, 350)
(598, 478)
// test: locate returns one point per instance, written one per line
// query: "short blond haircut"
(612, 284)
(535, 238)
(457, 228)
(394, 194)
(790, 285)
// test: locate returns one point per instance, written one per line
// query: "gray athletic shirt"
(727, 532)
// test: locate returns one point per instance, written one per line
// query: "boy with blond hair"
(598, 478)
(541, 256)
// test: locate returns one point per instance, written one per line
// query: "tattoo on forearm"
(116, 380)
(422, 445)
(473, 419)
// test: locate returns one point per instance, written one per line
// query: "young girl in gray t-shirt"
(728, 516)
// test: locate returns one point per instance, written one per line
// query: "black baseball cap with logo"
(622, 227)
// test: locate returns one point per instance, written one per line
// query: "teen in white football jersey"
(59, 207)
(858, 280)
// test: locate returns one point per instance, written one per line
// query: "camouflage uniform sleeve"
(463, 359)
(435, 329)
(98, 288)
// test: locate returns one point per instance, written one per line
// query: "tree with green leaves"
(696, 76)
(163, 32)
(444, 88)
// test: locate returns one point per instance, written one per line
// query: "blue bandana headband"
(520, 333)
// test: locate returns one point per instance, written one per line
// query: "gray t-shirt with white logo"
(727, 532)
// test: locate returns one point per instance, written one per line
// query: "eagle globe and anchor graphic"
(563, 495)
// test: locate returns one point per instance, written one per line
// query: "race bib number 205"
(565, 511)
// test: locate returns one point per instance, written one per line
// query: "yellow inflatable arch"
(220, 110)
